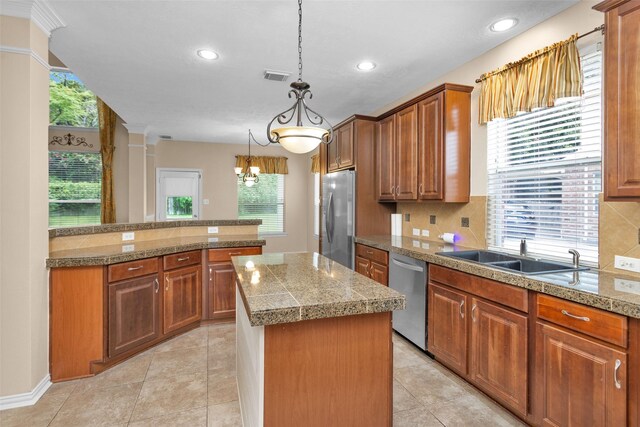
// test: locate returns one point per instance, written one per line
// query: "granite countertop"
(283, 288)
(613, 292)
(115, 228)
(112, 254)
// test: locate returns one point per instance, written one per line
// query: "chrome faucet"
(576, 258)
(523, 247)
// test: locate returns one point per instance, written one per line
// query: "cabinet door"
(182, 291)
(498, 354)
(379, 273)
(362, 266)
(222, 290)
(345, 147)
(407, 154)
(386, 159)
(332, 152)
(583, 383)
(430, 148)
(134, 316)
(622, 102)
(447, 327)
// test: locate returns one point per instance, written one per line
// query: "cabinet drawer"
(181, 260)
(373, 254)
(128, 270)
(225, 254)
(591, 321)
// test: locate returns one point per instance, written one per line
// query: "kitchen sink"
(524, 265)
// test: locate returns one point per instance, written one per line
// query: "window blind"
(544, 175)
(265, 201)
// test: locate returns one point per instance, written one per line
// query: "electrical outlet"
(627, 263)
(425, 233)
(416, 232)
(128, 248)
(128, 236)
(213, 239)
(212, 230)
(205, 201)
(625, 285)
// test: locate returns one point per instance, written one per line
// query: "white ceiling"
(139, 55)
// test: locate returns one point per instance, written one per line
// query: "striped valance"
(535, 81)
(267, 164)
(315, 163)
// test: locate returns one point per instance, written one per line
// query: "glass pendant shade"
(254, 170)
(249, 181)
(238, 170)
(299, 139)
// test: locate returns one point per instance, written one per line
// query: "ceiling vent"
(165, 137)
(278, 76)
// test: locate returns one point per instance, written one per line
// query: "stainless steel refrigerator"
(338, 215)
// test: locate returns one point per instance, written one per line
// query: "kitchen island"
(313, 343)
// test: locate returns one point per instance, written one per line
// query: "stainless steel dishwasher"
(409, 277)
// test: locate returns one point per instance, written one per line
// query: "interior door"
(178, 194)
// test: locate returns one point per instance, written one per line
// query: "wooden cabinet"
(221, 288)
(133, 313)
(622, 99)
(373, 263)
(447, 327)
(182, 293)
(424, 147)
(340, 153)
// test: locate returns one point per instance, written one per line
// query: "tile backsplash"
(618, 233)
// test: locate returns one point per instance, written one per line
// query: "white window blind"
(544, 175)
(265, 201)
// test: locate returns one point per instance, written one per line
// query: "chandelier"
(299, 138)
(250, 177)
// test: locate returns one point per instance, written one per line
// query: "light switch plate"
(128, 236)
(425, 233)
(627, 263)
(212, 230)
(416, 232)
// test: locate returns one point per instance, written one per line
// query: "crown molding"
(25, 51)
(39, 12)
(136, 128)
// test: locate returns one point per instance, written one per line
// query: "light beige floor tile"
(99, 407)
(404, 356)
(196, 338)
(130, 371)
(36, 415)
(178, 393)
(428, 385)
(221, 333)
(225, 415)
(471, 410)
(192, 418)
(169, 364)
(64, 388)
(402, 399)
(222, 391)
(417, 417)
(221, 358)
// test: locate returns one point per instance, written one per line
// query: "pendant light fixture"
(299, 138)
(250, 177)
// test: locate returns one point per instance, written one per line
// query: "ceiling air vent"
(165, 137)
(278, 76)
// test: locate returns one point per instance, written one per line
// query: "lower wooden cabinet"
(373, 263)
(222, 290)
(133, 312)
(582, 382)
(182, 298)
(447, 327)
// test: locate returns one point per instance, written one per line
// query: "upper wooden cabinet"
(622, 99)
(424, 147)
(340, 153)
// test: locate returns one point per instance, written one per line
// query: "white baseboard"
(26, 399)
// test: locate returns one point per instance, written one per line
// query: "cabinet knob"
(573, 316)
(420, 189)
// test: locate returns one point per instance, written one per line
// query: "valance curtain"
(107, 126)
(266, 164)
(535, 81)
(315, 163)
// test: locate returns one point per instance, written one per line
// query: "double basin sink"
(516, 264)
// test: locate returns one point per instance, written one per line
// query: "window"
(70, 102)
(74, 188)
(316, 204)
(265, 201)
(544, 173)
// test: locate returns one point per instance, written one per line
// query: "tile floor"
(190, 381)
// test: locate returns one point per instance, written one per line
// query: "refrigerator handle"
(329, 224)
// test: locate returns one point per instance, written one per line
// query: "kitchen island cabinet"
(313, 343)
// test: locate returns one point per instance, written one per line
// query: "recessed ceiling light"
(207, 54)
(503, 24)
(366, 66)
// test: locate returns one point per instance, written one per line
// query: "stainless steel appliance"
(338, 214)
(409, 277)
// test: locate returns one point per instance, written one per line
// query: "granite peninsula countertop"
(290, 287)
(130, 251)
(613, 292)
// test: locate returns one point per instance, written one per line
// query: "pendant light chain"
(299, 40)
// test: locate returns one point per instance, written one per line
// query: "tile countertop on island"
(613, 292)
(290, 287)
(112, 254)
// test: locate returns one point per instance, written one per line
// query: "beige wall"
(24, 84)
(219, 184)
